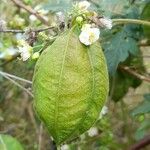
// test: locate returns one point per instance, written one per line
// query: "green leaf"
(122, 80)
(70, 86)
(139, 134)
(142, 130)
(9, 143)
(112, 7)
(118, 48)
(144, 107)
(146, 16)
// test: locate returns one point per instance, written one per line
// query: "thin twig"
(134, 73)
(31, 115)
(11, 31)
(30, 10)
(144, 44)
(141, 144)
(17, 84)
(40, 137)
(23, 31)
(16, 77)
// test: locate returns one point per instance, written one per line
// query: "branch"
(141, 144)
(30, 10)
(17, 84)
(40, 137)
(15, 77)
(131, 21)
(134, 73)
(23, 31)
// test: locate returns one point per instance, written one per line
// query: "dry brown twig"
(134, 73)
(16, 77)
(40, 137)
(10, 78)
(30, 10)
(23, 31)
(141, 144)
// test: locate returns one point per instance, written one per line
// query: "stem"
(59, 147)
(23, 31)
(15, 77)
(135, 74)
(40, 137)
(141, 144)
(131, 21)
(17, 84)
(30, 10)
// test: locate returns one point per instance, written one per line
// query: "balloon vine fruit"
(70, 86)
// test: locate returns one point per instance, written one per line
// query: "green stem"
(131, 21)
(59, 147)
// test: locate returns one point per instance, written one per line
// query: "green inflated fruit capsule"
(70, 86)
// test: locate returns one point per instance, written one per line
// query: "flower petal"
(84, 5)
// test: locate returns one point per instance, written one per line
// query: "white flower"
(89, 35)
(64, 147)
(86, 27)
(24, 53)
(32, 17)
(41, 12)
(60, 16)
(83, 5)
(103, 112)
(93, 132)
(106, 22)
(2, 24)
(24, 49)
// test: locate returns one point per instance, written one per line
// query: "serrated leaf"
(70, 86)
(118, 48)
(9, 143)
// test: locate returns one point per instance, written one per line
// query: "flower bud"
(79, 19)
(35, 55)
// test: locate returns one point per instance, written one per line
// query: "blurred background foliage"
(127, 119)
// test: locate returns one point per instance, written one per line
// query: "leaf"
(144, 107)
(122, 80)
(142, 130)
(146, 16)
(70, 86)
(118, 48)
(139, 134)
(9, 143)
(112, 7)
